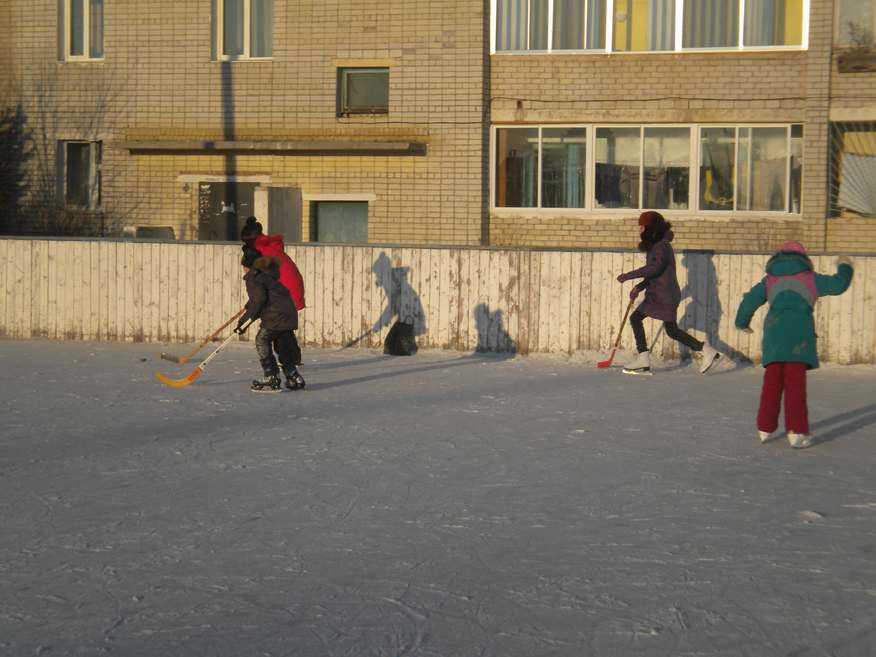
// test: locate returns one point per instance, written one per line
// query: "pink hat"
(793, 246)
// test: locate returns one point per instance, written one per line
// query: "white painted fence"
(463, 299)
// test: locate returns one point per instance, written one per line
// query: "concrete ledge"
(275, 147)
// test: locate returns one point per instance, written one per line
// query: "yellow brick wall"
(666, 88)
(157, 82)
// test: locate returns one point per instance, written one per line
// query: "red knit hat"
(793, 246)
(650, 218)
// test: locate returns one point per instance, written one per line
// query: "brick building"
(503, 122)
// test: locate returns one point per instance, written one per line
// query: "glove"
(623, 278)
(239, 330)
(745, 329)
(843, 260)
(634, 292)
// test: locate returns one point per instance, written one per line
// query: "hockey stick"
(617, 342)
(177, 359)
(178, 383)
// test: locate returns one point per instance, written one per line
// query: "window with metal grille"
(853, 168)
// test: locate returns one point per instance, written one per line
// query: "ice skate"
(764, 435)
(711, 357)
(266, 384)
(800, 440)
(294, 380)
(641, 364)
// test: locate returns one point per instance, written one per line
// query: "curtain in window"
(661, 24)
(511, 21)
(763, 22)
(857, 188)
(232, 28)
(261, 28)
(570, 24)
(579, 24)
(563, 167)
(644, 25)
(853, 168)
(773, 22)
(538, 24)
(763, 169)
(95, 32)
(710, 24)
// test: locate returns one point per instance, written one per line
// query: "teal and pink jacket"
(791, 288)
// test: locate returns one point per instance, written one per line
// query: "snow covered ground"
(445, 505)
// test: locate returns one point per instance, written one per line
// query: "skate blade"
(265, 390)
(643, 372)
(715, 362)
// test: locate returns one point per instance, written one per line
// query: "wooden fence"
(465, 299)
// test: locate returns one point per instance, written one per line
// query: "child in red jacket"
(272, 245)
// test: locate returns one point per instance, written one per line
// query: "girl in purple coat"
(662, 294)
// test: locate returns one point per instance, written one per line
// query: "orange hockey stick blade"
(178, 383)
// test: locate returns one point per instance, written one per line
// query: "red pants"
(790, 378)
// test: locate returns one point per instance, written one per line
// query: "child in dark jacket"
(791, 288)
(662, 294)
(272, 303)
(253, 237)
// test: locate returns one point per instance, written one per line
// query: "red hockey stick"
(617, 342)
(177, 359)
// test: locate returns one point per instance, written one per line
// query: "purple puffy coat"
(662, 294)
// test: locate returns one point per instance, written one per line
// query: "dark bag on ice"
(400, 339)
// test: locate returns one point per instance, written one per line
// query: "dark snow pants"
(284, 343)
(672, 330)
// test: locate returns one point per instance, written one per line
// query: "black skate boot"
(294, 380)
(267, 384)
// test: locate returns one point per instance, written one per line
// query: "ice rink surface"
(444, 504)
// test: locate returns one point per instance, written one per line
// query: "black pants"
(672, 331)
(284, 343)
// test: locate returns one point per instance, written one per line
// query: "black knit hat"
(250, 255)
(251, 230)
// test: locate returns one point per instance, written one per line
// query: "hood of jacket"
(788, 263)
(269, 240)
(269, 265)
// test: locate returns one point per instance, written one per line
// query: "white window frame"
(219, 34)
(65, 22)
(678, 40)
(94, 175)
(590, 202)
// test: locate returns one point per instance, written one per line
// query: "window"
(81, 29)
(644, 25)
(751, 169)
(649, 25)
(81, 175)
(642, 168)
(339, 222)
(853, 168)
(245, 29)
(680, 167)
(856, 23)
(363, 91)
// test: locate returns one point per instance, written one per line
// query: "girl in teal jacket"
(791, 288)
